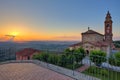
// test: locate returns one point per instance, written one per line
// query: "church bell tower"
(108, 28)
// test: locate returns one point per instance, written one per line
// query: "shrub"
(69, 66)
(67, 51)
(41, 56)
(92, 69)
(97, 57)
(79, 54)
(73, 66)
(98, 71)
(53, 59)
(36, 56)
(112, 60)
(115, 59)
(80, 50)
(70, 59)
(62, 60)
(104, 72)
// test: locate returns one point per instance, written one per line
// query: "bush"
(80, 50)
(36, 56)
(41, 56)
(67, 60)
(73, 66)
(92, 69)
(115, 59)
(69, 66)
(67, 51)
(79, 54)
(70, 59)
(97, 71)
(97, 57)
(53, 59)
(62, 60)
(104, 72)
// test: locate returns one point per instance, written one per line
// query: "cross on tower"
(88, 28)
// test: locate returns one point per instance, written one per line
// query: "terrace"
(28, 71)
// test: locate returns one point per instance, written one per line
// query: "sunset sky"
(37, 20)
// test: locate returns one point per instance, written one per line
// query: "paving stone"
(28, 71)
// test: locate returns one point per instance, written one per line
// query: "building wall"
(92, 37)
(89, 47)
(20, 57)
(24, 57)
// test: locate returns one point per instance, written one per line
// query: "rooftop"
(27, 51)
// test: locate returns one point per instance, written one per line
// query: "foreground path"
(28, 71)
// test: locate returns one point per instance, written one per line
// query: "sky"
(55, 20)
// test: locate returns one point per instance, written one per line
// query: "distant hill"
(40, 45)
(117, 43)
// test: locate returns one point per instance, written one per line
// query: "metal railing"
(104, 68)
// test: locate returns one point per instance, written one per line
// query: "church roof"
(92, 32)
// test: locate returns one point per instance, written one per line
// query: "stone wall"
(92, 37)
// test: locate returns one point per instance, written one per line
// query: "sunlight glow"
(14, 33)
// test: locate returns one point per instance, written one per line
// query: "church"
(92, 40)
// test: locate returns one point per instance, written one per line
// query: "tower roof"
(108, 16)
(108, 13)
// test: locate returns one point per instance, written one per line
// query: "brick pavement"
(28, 71)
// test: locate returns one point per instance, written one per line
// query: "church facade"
(92, 40)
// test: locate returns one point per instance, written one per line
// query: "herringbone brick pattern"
(28, 71)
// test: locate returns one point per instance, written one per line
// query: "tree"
(36, 56)
(70, 59)
(79, 54)
(53, 59)
(80, 50)
(44, 57)
(62, 60)
(97, 57)
(68, 51)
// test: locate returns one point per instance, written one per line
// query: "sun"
(14, 33)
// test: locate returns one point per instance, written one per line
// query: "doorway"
(28, 57)
(87, 52)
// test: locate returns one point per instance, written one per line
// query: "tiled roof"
(27, 51)
(91, 32)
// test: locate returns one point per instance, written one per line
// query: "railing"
(104, 68)
(61, 70)
(7, 54)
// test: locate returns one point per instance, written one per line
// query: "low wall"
(71, 73)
